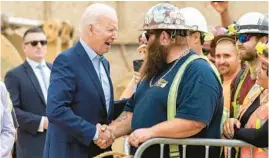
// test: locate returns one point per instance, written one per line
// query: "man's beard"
(156, 59)
(249, 55)
(224, 72)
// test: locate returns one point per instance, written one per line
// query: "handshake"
(105, 136)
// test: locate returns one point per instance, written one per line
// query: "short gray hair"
(93, 12)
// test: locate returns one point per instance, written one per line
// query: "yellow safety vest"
(256, 120)
(172, 99)
(235, 102)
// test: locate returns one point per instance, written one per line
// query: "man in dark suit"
(80, 94)
(28, 85)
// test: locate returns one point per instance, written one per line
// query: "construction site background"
(130, 16)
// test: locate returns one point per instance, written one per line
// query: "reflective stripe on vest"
(172, 97)
(235, 102)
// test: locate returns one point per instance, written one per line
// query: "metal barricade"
(193, 141)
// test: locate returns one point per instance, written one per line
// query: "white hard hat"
(196, 21)
(252, 22)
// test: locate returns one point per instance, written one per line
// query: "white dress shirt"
(7, 129)
(38, 75)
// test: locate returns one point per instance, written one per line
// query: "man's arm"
(7, 134)
(122, 125)
(223, 9)
(257, 137)
(27, 120)
(225, 18)
(60, 97)
(177, 128)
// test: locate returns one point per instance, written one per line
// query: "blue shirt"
(199, 98)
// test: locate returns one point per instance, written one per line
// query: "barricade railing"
(194, 142)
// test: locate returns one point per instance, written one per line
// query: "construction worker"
(198, 32)
(168, 102)
(228, 63)
(250, 29)
(252, 123)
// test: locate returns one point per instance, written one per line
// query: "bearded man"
(198, 103)
(249, 33)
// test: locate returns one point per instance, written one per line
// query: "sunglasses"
(151, 32)
(147, 34)
(242, 38)
(35, 43)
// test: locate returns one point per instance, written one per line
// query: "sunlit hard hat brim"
(252, 31)
(208, 36)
